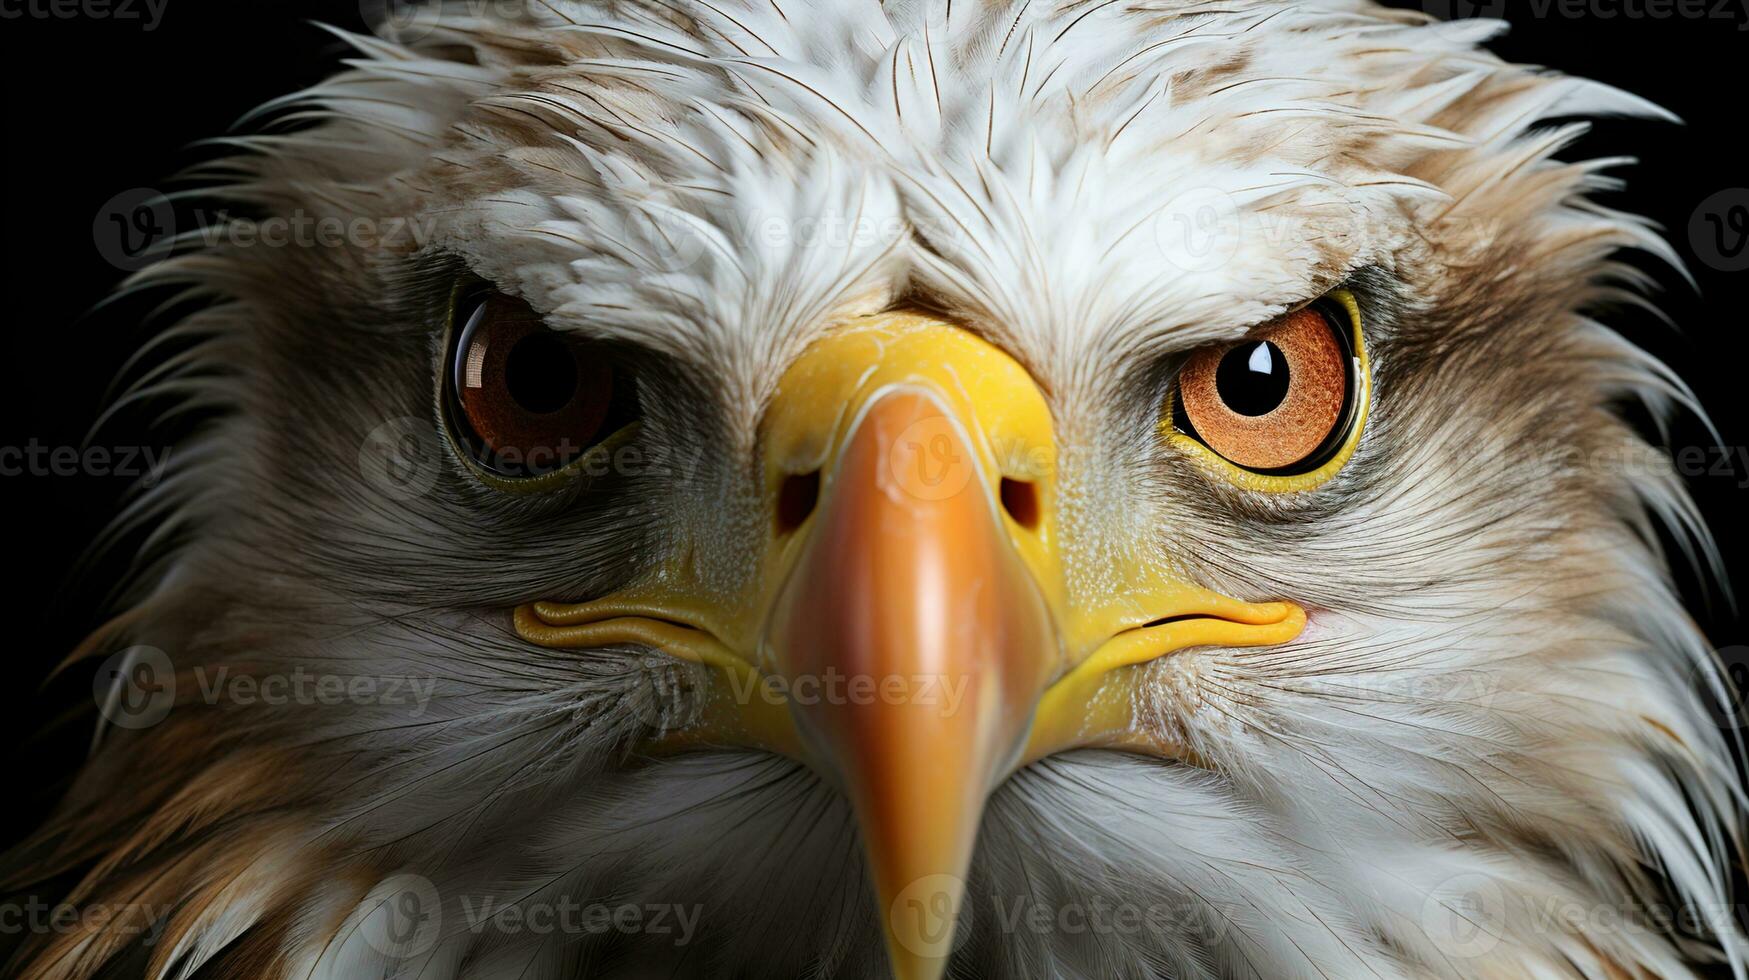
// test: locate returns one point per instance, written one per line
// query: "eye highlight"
(525, 400)
(1283, 407)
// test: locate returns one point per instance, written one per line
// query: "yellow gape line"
(926, 572)
(1095, 706)
(738, 710)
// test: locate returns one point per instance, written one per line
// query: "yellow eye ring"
(1251, 439)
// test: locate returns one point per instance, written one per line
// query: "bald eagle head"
(760, 488)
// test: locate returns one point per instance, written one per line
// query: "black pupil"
(1252, 378)
(541, 373)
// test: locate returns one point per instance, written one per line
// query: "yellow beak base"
(915, 617)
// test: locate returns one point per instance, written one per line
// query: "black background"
(97, 106)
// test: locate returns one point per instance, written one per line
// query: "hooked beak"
(911, 606)
(913, 585)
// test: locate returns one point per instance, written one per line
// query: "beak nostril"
(1020, 500)
(796, 497)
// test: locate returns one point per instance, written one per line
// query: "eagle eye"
(1286, 401)
(525, 400)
